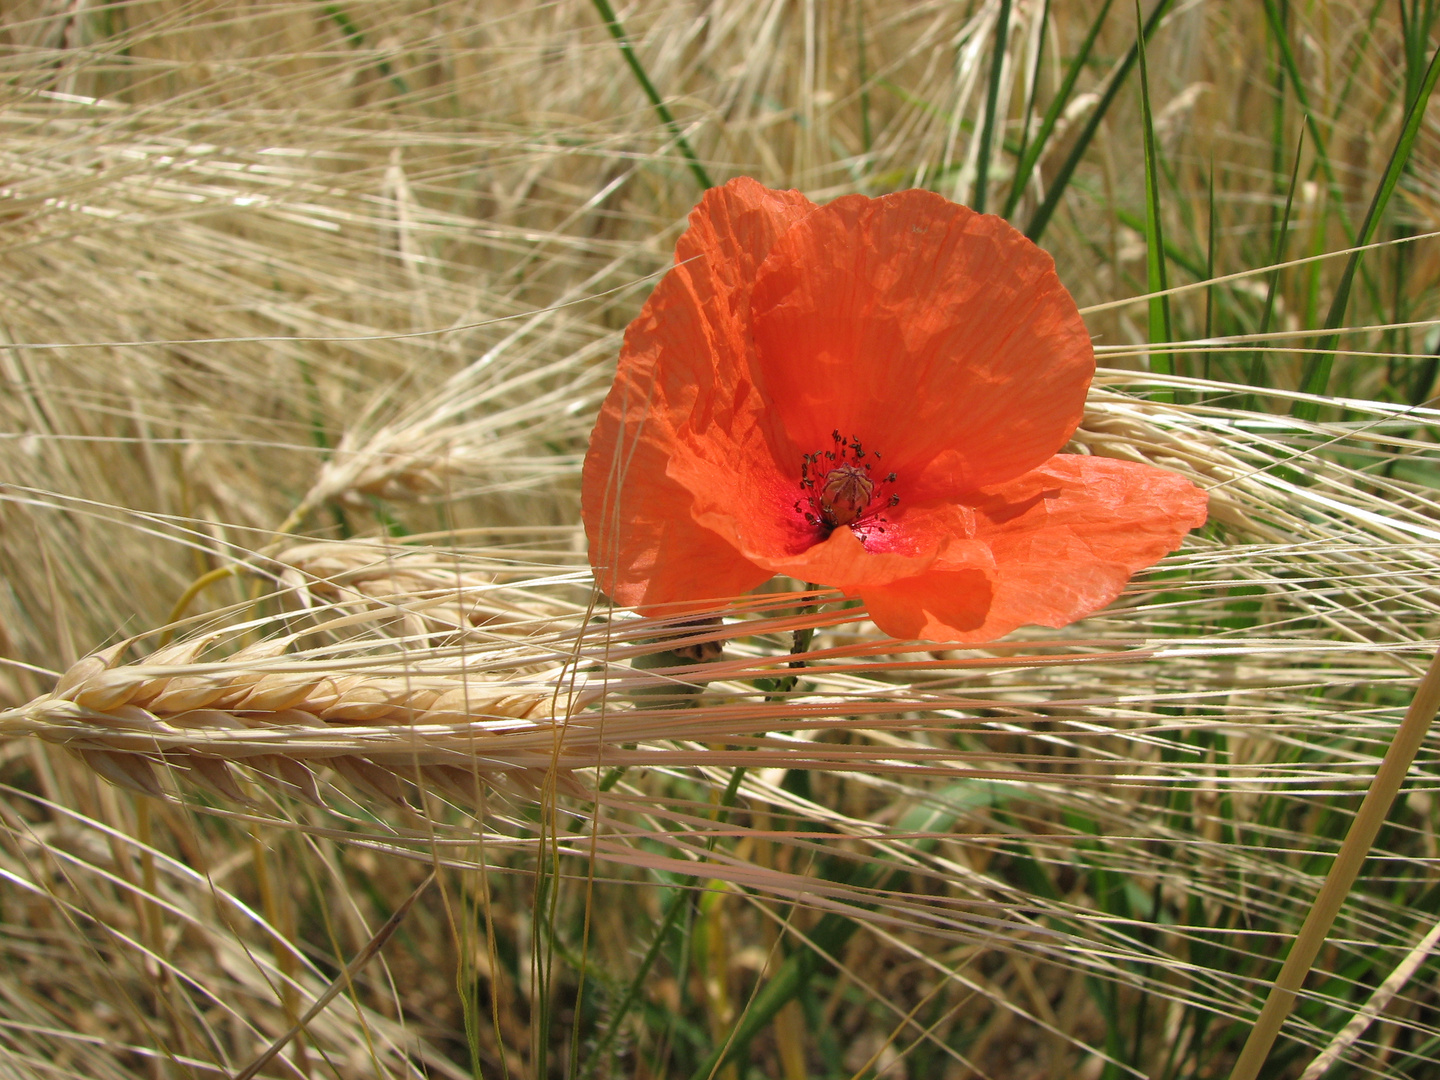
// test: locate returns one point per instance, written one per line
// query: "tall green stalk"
(1316, 377)
(1160, 330)
(1041, 218)
(1030, 151)
(987, 132)
(627, 50)
(1277, 255)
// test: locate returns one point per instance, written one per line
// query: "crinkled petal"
(645, 547)
(1066, 537)
(686, 357)
(940, 337)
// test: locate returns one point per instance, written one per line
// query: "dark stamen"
(841, 490)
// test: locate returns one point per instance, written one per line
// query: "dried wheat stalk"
(439, 672)
(443, 726)
(423, 592)
(486, 429)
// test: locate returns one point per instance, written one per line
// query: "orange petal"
(645, 547)
(938, 336)
(946, 605)
(912, 543)
(1066, 537)
(687, 354)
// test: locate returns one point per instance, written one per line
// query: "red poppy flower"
(868, 395)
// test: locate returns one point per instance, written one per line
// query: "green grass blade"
(867, 139)
(1210, 260)
(1415, 26)
(1030, 97)
(1316, 377)
(600, 1052)
(1278, 141)
(1275, 19)
(1277, 255)
(1287, 57)
(627, 50)
(1041, 218)
(830, 934)
(1030, 154)
(356, 37)
(1160, 363)
(1359, 51)
(987, 132)
(1187, 261)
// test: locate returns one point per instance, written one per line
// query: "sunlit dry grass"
(306, 314)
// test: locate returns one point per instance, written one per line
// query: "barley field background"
(323, 758)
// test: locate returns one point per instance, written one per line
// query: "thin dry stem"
(1343, 872)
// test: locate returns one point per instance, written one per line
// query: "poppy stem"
(799, 646)
(678, 648)
(681, 903)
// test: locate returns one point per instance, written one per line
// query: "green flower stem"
(1343, 873)
(679, 903)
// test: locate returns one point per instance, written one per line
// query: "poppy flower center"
(839, 487)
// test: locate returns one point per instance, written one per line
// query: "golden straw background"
(306, 313)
